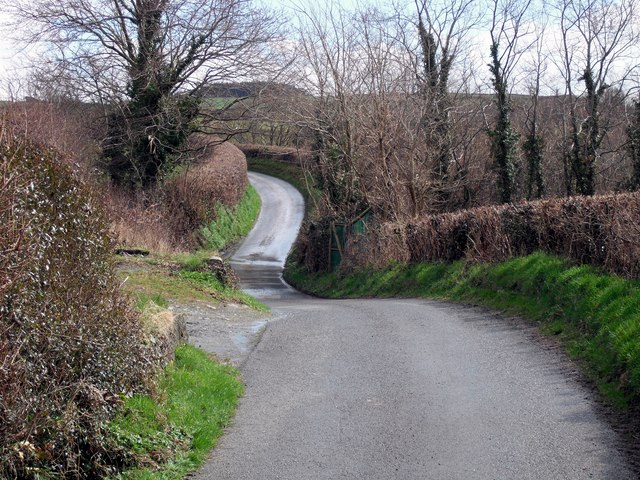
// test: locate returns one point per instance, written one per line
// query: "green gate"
(341, 232)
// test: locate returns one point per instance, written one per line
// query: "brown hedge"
(602, 230)
(218, 177)
(167, 218)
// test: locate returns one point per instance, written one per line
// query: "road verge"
(595, 316)
(170, 433)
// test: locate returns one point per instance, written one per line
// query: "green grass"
(173, 432)
(232, 224)
(174, 278)
(174, 435)
(143, 299)
(596, 316)
(217, 103)
(162, 286)
(210, 281)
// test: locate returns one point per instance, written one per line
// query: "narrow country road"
(399, 389)
(260, 259)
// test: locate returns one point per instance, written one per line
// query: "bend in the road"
(259, 262)
(399, 389)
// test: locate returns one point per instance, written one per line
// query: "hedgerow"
(603, 231)
(71, 347)
(168, 217)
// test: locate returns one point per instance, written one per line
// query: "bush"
(71, 346)
(602, 231)
(69, 126)
(220, 177)
(168, 217)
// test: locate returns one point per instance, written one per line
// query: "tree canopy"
(148, 63)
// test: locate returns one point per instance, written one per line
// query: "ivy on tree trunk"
(503, 137)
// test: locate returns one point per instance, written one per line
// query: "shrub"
(69, 126)
(71, 345)
(602, 231)
(168, 217)
(219, 177)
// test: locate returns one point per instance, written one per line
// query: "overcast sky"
(11, 58)
(12, 61)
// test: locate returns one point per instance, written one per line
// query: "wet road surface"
(402, 389)
(259, 260)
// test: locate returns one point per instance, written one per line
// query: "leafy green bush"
(71, 345)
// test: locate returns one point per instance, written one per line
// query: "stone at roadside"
(223, 271)
(165, 331)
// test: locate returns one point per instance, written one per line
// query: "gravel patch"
(230, 331)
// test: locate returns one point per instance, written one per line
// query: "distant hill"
(250, 89)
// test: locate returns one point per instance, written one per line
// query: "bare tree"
(149, 63)
(533, 145)
(327, 41)
(370, 150)
(596, 37)
(383, 108)
(507, 23)
(442, 29)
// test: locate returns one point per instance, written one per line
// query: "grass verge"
(173, 433)
(231, 224)
(163, 285)
(596, 316)
(207, 280)
(175, 277)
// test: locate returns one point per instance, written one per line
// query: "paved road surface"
(402, 389)
(260, 259)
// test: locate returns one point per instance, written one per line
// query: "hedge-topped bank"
(597, 315)
(603, 231)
